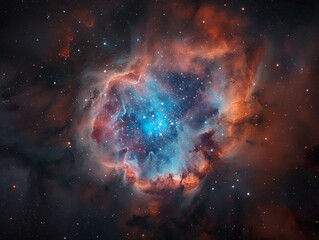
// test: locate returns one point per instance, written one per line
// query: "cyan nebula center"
(156, 122)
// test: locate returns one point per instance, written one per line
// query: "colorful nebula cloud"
(164, 114)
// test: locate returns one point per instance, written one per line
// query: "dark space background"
(268, 190)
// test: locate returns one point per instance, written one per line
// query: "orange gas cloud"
(84, 17)
(65, 37)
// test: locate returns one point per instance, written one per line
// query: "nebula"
(159, 120)
(171, 109)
